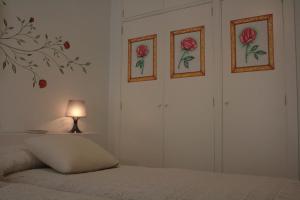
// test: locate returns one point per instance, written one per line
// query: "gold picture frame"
(188, 45)
(255, 41)
(142, 58)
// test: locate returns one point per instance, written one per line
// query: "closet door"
(138, 7)
(254, 112)
(141, 141)
(189, 100)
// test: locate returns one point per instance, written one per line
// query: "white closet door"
(189, 101)
(138, 7)
(254, 112)
(171, 3)
(141, 141)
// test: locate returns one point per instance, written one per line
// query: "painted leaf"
(5, 22)
(4, 65)
(261, 52)
(188, 58)
(254, 48)
(186, 64)
(139, 63)
(14, 68)
(256, 56)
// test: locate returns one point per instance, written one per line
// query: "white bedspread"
(16, 191)
(140, 183)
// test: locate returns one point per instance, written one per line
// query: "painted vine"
(43, 51)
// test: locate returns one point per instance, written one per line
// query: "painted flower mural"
(247, 38)
(22, 48)
(141, 51)
(187, 45)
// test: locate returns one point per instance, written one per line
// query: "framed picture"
(252, 44)
(187, 52)
(142, 55)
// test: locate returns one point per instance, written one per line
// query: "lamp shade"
(76, 108)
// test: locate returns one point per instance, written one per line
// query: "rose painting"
(252, 44)
(187, 53)
(141, 52)
(188, 44)
(142, 58)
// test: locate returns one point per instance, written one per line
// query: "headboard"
(17, 138)
(8, 139)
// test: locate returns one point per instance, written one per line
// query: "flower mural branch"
(24, 49)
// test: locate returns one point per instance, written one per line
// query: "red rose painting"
(67, 45)
(42, 83)
(142, 63)
(141, 52)
(187, 45)
(247, 38)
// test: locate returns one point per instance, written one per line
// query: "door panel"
(254, 112)
(142, 122)
(171, 3)
(137, 7)
(189, 112)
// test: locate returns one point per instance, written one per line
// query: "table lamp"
(76, 109)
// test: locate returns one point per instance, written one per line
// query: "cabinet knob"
(166, 105)
(159, 105)
(226, 103)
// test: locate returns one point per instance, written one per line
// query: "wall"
(114, 114)
(85, 24)
(297, 23)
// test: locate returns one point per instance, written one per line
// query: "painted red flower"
(67, 45)
(42, 83)
(31, 20)
(188, 44)
(247, 36)
(142, 51)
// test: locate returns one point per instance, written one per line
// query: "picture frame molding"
(270, 65)
(173, 34)
(154, 59)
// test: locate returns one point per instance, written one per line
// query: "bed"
(121, 182)
(142, 183)
(17, 191)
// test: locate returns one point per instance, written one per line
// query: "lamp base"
(75, 128)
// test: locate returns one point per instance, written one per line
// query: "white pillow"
(17, 158)
(70, 153)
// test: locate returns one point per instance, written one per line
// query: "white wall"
(114, 114)
(85, 24)
(297, 22)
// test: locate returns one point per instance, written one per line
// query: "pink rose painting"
(141, 52)
(247, 39)
(188, 45)
(187, 52)
(252, 44)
